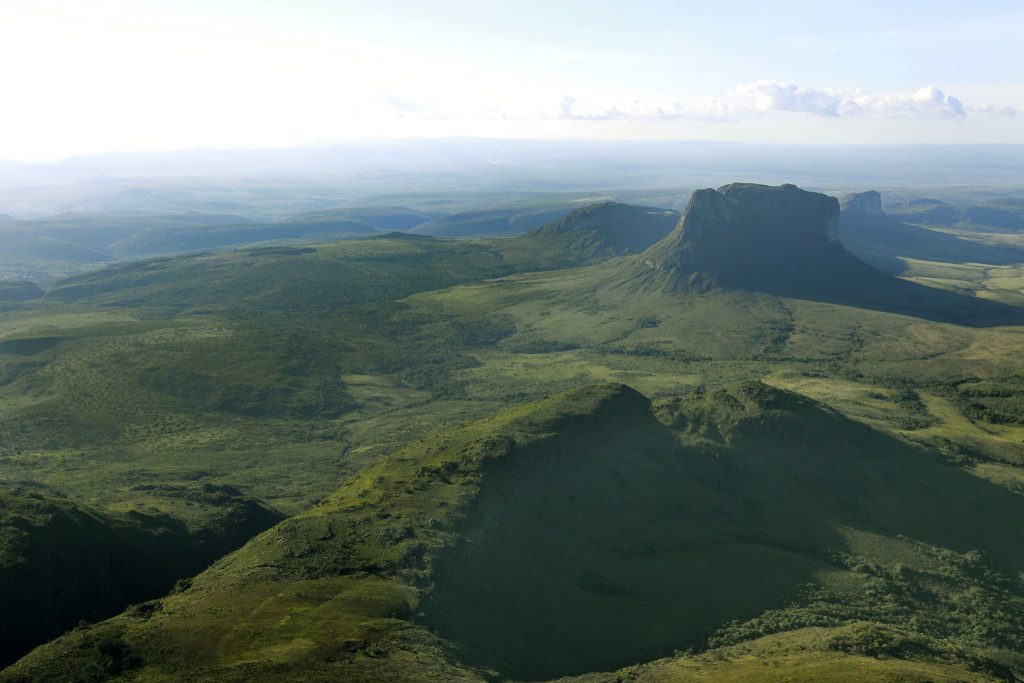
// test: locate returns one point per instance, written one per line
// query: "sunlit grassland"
(997, 283)
(126, 377)
(571, 329)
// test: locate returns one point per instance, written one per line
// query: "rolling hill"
(611, 531)
(63, 563)
(19, 290)
(178, 239)
(396, 218)
(490, 222)
(590, 234)
(412, 371)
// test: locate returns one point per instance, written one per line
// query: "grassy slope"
(452, 354)
(570, 323)
(596, 523)
(49, 248)
(62, 563)
(128, 409)
(19, 290)
(178, 239)
(381, 217)
(315, 226)
(181, 370)
(491, 222)
(589, 235)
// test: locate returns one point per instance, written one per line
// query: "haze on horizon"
(134, 75)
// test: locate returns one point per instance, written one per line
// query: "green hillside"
(491, 222)
(177, 239)
(315, 226)
(19, 290)
(62, 244)
(46, 249)
(381, 217)
(62, 563)
(611, 531)
(282, 372)
(590, 234)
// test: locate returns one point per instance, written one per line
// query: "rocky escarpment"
(755, 236)
(785, 241)
(863, 204)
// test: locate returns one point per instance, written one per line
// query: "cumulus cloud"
(927, 103)
(768, 98)
(571, 108)
(773, 96)
(758, 99)
(992, 110)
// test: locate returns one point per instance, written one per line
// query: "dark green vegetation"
(62, 563)
(816, 475)
(176, 240)
(47, 248)
(317, 226)
(490, 223)
(591, 234)
(603, 546)
(19, 290)
(608, 531)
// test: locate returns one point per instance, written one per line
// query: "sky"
(131, 75)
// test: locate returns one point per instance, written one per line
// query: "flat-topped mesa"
(863, 204)
(752, 235)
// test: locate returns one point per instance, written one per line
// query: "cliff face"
(785, 241)
(753, 235)
(863, 204)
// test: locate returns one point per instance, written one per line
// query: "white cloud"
(992, 110)
(773, 98)
(571, 108)
(927, 103)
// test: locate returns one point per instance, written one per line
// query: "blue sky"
(155, 74)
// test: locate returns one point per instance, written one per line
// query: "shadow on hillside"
(610, 544)
(852, 282)
(879, 239)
